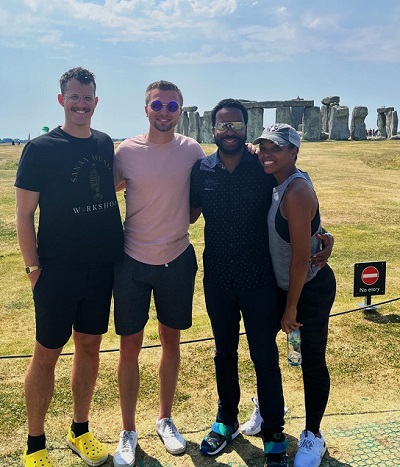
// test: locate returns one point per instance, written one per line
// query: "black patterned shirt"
(235, 207)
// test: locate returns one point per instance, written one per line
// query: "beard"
(163, 126)
(231, 149)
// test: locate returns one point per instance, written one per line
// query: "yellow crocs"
(37, 459)
(88, 448)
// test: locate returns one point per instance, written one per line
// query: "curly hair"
(83, 75)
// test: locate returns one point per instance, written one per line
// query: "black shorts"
(172, 285)
(72, 298)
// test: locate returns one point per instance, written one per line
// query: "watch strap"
(30, 269)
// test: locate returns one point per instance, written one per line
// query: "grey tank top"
(281, 251)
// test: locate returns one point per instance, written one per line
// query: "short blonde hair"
(163, 86)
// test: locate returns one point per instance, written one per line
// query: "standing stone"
(283, 115)
(325, 118)
(395, 124)
(381, 124)
(391, 122)
(387, 122)
(185, 123)
(327, 103)
(207, 136)
(312, 125)
(179, 126)
(339, 123)
(255, 123)
(358, 129)
(297, 116)
(194, 126)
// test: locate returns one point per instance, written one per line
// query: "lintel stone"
(277, 104)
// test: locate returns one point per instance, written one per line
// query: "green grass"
(358, 185)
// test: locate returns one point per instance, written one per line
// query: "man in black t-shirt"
(68, 174)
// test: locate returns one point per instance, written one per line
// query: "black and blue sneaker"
(219, 436)
(275, 452)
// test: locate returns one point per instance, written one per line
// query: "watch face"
(31, 269)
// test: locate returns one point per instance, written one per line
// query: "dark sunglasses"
(157, 105)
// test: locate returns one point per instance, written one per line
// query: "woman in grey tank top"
(306, 294)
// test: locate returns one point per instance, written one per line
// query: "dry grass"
(358, 185)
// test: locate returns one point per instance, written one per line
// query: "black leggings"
(313, 311)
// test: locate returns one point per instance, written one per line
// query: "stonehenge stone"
(297, 115)
(325, 118)
(194, 126)
(327, 103)
(358, 129)
(183, 124)
(191, 108)
(207, 136)
(387, 122)
(276, 104)
(283, 115)
(312, 126)
(339, 123)
(381, 124)
(255, 123)
(330, 100)
(395, 124)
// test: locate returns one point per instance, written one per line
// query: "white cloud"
(190, 31)
(282, 10)
(331, 22)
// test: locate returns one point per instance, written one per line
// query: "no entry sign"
(369, 279)
(370, 275)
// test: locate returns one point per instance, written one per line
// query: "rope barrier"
(204, 339)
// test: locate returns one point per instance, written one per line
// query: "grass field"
(358, 185)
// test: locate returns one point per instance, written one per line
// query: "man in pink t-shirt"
(154, 168)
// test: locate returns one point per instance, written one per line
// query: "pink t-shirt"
(157, 195)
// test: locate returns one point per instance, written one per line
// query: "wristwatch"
(30, 269)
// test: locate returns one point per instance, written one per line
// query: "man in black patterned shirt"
(232, 191)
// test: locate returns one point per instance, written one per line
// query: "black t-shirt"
(235, 207)
(79, 220)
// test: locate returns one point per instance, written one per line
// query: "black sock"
(36, 443)
(79, 429)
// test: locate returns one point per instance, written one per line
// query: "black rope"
(204, 339)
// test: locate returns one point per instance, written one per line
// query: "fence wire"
(204, 339)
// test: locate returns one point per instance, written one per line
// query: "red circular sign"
(370, 275)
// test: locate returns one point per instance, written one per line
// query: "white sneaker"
(253, 426)
(170, 436)
(311, 450)
(125, 454)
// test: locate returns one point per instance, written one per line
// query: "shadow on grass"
(252, 456)
(377, 318)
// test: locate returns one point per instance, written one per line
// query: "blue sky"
(250, 49)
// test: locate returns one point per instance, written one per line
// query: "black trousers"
(258, 308)
(313, 311)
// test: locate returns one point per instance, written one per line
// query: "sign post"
(369, 279)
